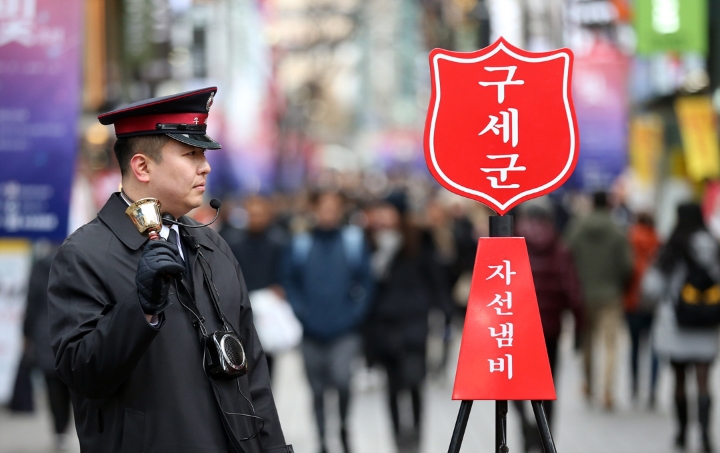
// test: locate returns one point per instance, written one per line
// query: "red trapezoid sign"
(503, 354)
(501, 126)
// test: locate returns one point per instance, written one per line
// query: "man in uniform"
(128, 316)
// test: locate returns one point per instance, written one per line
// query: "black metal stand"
(501, 226)
(460, 425)
(501, 410)
(545, 435)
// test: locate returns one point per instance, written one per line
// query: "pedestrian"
(644, 242)
(453, 249)
(604, 263)
(409, 283)
(259, 250)
(36, 332)
(134, 323)
(690, 254)
(558, 290)
(328, 283)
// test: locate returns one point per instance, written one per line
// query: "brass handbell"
(145, 214)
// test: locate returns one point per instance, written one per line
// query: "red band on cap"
(149, 122)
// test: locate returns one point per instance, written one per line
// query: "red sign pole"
(501, 226)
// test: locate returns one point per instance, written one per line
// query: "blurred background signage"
(645, 147)
(698, 129)
(14, 271)
(40, 50)
(601, 105)
(671, 25)
(326, 92)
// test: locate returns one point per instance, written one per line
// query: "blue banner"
(40, 75)
(601, 104)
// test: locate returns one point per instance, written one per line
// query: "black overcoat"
(138, 388)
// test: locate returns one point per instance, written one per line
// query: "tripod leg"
(501, 410)
(545, 434)
(460, 425)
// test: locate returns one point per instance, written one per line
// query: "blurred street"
(355, 202)
(631, 428)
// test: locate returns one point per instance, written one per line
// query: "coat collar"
(197, 234)
(113, 215)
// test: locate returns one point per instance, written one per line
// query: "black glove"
(159, 264)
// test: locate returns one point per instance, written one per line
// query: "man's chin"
(191, 209)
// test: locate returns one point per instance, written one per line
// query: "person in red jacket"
(557, 287)
(645, 243)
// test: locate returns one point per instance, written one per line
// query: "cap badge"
(210, 101)
(195, 120)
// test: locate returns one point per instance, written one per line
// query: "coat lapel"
(113, 215)
(194, 241)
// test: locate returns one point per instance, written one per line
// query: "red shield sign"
(501, 126)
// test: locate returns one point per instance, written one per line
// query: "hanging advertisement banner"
(696, 119)
(671, 25)
(244, 103)
(600, 96)
(646, 145)
(40, 70)
(15, 256)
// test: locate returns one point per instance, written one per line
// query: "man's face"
(259, 214)
(385, 217)
(329, 211)
(178, 180)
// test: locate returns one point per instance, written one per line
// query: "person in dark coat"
(409, 283)
(128, 315)
(454, 249)
(557, 287)
(259, 249)
(37, 340)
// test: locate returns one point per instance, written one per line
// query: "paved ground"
(580, 428)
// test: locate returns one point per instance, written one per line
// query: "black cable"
(214, 294)
(200, 319)
(219, 401)
(214, 203)
(215, 297)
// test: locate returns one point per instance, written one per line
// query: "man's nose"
(204, 167)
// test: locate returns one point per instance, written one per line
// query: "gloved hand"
(159, 264)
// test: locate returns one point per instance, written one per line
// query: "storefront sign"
(698, 129)
(671, 25)
(646, 146)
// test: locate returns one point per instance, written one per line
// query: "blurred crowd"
(348, 277)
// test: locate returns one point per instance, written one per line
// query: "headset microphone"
(168, 219)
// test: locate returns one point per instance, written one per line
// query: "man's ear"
(139, 164)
